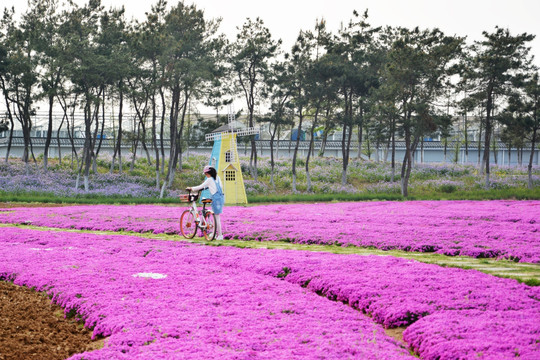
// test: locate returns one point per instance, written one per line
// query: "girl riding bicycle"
(214, 185)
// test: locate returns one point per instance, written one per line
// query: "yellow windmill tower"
(225, 159)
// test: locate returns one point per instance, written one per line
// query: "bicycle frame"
(201, 218)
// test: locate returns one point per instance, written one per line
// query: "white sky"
(285, 18)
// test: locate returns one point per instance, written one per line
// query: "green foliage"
(284, 272)
(448, 188)
(530, 282)
(321, 197)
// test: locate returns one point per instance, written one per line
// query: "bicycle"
(192, 219)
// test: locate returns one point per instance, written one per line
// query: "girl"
(213, 184)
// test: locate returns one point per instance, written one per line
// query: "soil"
(31, 327)
(397, 334)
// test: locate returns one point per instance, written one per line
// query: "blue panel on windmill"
(214, 158)
(214, 161)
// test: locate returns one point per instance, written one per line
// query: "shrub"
(447, 188)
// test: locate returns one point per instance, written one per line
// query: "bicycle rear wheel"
(188, 226)
(209, 231)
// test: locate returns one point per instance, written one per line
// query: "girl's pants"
(218, 225)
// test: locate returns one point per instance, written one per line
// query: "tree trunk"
(346, 138)
(393, 149)
(487, 137)
(26, 137)
(323, 143)
(12, 123)
(480, 146)
(277, 146)
(135, 147)
(79, 171)
(346, 154)
(253, 158)
(422, 151)
(290, 140)
(154, 139)
(529, 167)
(406, 164)
(49, 133)
(387, 148)
(272, 136)
(311, 146)
(494, 143)
(101, 133)
(368, 145)
(94, 138)
(162, 129)
(295, 154)
(466, 139)
(58, 139)
(10, 141)
(182, 122)
(445, 142)
(141, 115)
(87, 144)
(71, 134)
(118, 150)
(359, 155)
(173, 137)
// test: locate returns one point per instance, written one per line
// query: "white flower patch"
(150, 275)
(40, 249)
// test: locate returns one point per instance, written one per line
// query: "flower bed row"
(481, 229)
(158, 298)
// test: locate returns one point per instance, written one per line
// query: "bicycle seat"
(206, 201)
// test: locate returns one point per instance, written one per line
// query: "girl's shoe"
(220, 237)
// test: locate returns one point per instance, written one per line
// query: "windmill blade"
(231, 117)
(243, 132)
(248, 131)
(214, 136)
(232, 149)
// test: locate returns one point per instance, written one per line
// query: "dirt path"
(33, 328)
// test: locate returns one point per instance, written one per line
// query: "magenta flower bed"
(158, 300)
(482, 229)
(162, 299)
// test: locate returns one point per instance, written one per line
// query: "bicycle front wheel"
(188, 226)
(210, 230)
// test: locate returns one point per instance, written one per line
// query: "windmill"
(225, 158)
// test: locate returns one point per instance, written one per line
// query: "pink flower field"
(481, 229)
(172, 300)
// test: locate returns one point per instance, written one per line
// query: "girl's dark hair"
(212, 172)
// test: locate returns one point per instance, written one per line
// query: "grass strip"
(93, 199)
(494, 194)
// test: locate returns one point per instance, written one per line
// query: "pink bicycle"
(193, 218)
